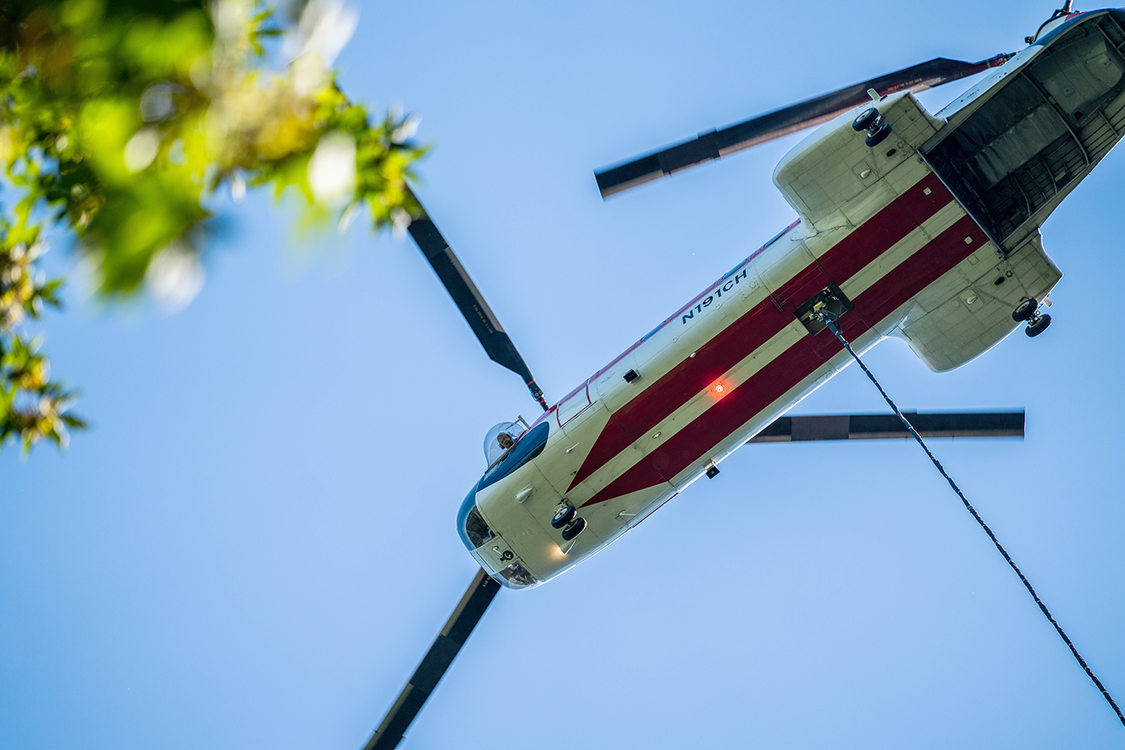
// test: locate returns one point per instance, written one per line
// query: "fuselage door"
(573, 405)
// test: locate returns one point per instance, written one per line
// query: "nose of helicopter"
(489, 549)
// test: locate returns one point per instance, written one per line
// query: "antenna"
(1062, 12)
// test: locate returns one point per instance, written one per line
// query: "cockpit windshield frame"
(492, 449)
(529, 446)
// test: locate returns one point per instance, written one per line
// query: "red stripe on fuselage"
(798, 362)
(763, 321)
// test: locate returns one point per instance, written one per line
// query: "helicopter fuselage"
(931, 236)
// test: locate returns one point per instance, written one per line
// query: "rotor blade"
(715, 143)
(868, 426)
(496, 342)
(434, 664)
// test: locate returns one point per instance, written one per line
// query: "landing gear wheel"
(563, 516)
(573, 529)
(865, 119)
(1037, 325)
(879, 135)
(1025, 310)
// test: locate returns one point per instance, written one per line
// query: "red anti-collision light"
(720, 388)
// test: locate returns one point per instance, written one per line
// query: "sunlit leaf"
(119, 123)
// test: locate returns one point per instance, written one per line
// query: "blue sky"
(255, 544)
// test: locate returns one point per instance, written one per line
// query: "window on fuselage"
(476, 529)
(518, 577)
(526, 448)
(492, 448)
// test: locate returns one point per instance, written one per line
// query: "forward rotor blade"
(496, 342)
(870, 426)
(713, 144)
(434, 664)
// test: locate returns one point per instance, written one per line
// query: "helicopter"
(984, 229)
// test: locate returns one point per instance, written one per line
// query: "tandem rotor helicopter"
(914, 224)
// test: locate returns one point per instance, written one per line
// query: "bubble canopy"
(472, 526)
(492, 448)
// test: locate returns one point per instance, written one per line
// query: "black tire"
(1025, 310)
(563, 516)
(1037, 326)
(574, 529)
(865, 119)
(879, 135)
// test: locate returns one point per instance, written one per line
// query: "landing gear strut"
(1036, 322)
(566, 518)
(573, 529)
(1037, 325)
(871, 121)
(563, 516)
(1025, 310)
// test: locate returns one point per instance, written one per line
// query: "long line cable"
(831, 320)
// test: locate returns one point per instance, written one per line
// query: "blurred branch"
(119, 122)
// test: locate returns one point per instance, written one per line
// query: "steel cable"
(831, 320)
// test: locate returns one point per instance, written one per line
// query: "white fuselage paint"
(874, 221)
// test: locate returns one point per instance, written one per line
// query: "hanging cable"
(831, 320)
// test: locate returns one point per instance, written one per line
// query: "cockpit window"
(494, 444)
(528, 447)
(518, 577)
(476, 529)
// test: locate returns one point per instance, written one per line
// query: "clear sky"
(255, 544)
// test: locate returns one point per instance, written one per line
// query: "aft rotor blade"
(469, 300)
(713, 144)
(870, 426)
(434, 664)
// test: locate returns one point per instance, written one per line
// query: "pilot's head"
(505, 440)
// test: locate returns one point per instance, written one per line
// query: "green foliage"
(118, 123)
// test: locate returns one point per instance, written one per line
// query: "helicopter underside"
(1013, 154)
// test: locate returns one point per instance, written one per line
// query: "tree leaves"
(119, 121)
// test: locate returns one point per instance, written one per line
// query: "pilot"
(505, 440)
